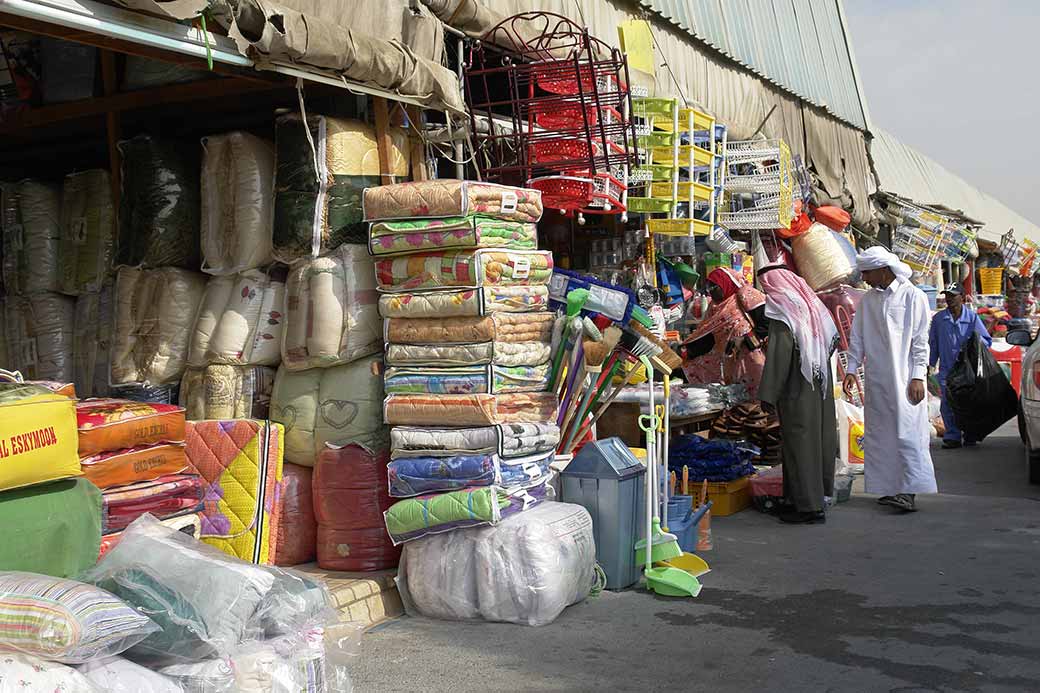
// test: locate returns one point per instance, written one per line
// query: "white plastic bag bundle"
(237, 202)
(31, 220)
(821, 258)
(526, 569)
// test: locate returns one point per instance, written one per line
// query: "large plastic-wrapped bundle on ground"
(340, 405)
(159, 207)
(53, 529)
(222, 623)
(237, 202)
(91, 342)
(297, 531)
(227, 392)
(316, 211)
(821, 258)
(240, 320)
(154, 312)
(527, 569)
(350, 498)
(332, 313)
(88, 229)
(40, 330)
(31, 222)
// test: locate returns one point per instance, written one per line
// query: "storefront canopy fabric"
(388, 45)
(906, 172)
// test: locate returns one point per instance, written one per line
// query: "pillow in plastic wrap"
(821, 259)
(31, 222)
(119, 675)
(526, 570)
(237, 202)
(159, 207)
(338, 405)
(332, 312)
(88, 229)
(39, 330)
(240, 320)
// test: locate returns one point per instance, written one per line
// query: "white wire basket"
(768, 178)
(748, 151)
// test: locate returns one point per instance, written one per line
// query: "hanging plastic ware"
(820, 258)
(799, 225)
(834, 218)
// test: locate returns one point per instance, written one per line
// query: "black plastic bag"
(979, 393)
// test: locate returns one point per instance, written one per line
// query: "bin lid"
(604, 459)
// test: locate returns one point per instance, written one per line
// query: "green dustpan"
(672, 582)
(663, 546)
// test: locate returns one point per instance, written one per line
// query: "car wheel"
(1022, 425)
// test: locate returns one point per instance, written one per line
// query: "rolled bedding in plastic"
(40, 330)
(331, 312)
(154, 313)
(227, 392)
(237, 202)
(240, 320)
(450, 303)
(88, 230)
(31, 223)
(821, 258)
(508, 440)
(526, 569)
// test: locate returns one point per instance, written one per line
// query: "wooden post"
(383, 142)
(417, 152)
(113, 124)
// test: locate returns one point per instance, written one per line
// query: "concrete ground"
(947, 599)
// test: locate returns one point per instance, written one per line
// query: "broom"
(595, 355)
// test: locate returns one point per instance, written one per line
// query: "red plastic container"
(1010, 359)
(350, 496)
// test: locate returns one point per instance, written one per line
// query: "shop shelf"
(679, 227)
(654, 172)
(657, 140)
(701, 192)
(649, 205)
(653, 106)
(701, 156)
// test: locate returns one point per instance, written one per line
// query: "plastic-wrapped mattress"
(469, 410)
(339, 405)
(39, 330)
(315, 212)
(469, 380)
(88, 229)
(332, 315)
(498, 327)
(456, 303)
(237, 202)
(240, 320)
(464, 268)
(508, 440)
(221, 391)
(508, 354)
(154, 311)
(445, 197)
(526, 569)
(405, 236)
(31, 222)
(159, 207)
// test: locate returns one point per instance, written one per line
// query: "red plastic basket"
(547, 151)
(606, 195)
(565, 193)
(562, 116)
(557, 77)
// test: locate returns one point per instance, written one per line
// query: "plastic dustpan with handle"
(672, 582)
(687, 562)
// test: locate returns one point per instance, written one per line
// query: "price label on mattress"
(521, 268)
(509, 201)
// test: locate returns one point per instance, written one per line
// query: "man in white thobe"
(890, 339)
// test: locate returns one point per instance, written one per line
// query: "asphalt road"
(947, 599)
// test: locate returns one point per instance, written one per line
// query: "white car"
(1029, 400)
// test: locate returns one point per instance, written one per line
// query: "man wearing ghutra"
(890, 339)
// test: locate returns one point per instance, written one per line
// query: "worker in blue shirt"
(950, 331)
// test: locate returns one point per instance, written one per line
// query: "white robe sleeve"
(919, 340)
(855, 353)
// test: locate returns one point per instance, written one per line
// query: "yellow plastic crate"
(701, 192)
(701, 121)
(701, 156)
(653, 106)
(727, 497)
(679, 227)
(649, 205)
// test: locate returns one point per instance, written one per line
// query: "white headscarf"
(877, 257)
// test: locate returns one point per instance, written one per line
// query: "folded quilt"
(464, 268)
(134, 465)
(447, 198)
(468, 380)
(469, 410)
(419, 235)
(413, 476)
(501, 327)
(412, 518)
(447, 303)
(241, 463)
(496, 353)
(167, 496)
(508, 440)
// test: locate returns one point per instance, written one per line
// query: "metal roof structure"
(800, 46)
(906, 172)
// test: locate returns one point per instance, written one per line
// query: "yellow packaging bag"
(38, 438)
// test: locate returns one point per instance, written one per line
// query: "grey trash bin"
(607, 480)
